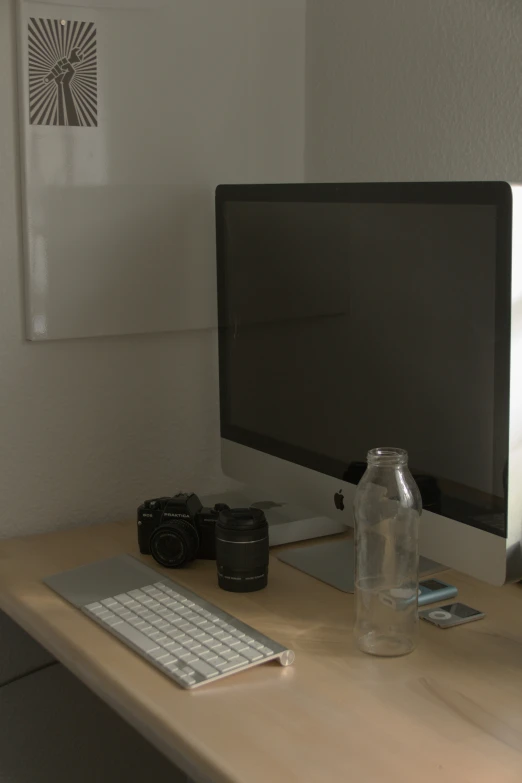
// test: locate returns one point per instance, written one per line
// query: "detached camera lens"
(242, 550)
(172, 546)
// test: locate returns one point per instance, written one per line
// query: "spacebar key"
(136, 637)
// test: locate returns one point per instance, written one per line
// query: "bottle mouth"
(388, 456)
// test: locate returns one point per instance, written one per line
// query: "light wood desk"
(452, 711)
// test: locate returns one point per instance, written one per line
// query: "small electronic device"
(451, 614)
(177, 529)
(433, 590)
(188, 639)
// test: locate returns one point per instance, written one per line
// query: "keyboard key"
(174, 648)
(251, 654)
(188, 680)
(205, 613)
(207, 655)
(114, 621)
(93, 607)
(229, 655)
(235, 644)
(100, 610)
(223, 636)
(168, 659)
(188, 670)
(137, 594)
(158, 653)
(204, 668)
(107, 615)
(213, 629)
(265, 650)
(196, 647)
(229, 628)
(162, 640)
(188, 657)
(136, 637)
(183, 638)
(205, 638)
(175, 634)
(172, 667)
(108, 602)
(229, 665)
(256, 645)
(220, 649)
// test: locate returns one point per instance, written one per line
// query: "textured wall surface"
(89, 428)
(414, 89)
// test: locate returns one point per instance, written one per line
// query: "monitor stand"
(287, 522)
(333, 562)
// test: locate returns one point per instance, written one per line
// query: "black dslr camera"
(175, 530)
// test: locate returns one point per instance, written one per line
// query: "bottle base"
(374, 643)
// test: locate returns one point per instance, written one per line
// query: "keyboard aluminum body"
(188, 639)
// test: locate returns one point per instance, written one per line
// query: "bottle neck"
(387, 457)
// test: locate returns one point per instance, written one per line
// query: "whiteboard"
(118, 229)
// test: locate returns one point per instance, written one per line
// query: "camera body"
(175, 530)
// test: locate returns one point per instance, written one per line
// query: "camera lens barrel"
(242, 550)
(174, 545)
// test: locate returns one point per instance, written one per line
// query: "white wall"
(414, 89)
(89, 428)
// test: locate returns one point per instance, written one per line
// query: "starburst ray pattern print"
(63, 77)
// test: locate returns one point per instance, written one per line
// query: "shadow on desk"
(54, 730)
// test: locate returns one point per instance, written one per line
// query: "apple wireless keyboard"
(188, 639)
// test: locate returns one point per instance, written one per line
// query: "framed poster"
(118, 216)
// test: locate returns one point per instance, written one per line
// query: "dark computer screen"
(345, 326)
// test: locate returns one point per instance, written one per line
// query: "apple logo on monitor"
(339, 500)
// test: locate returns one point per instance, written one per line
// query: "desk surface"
(451, 711)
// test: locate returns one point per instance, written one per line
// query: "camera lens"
(242, 550)
(172, 546)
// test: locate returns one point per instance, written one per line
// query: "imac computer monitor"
(360, 315)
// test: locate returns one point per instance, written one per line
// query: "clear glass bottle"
(387, 509)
